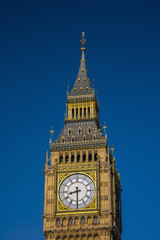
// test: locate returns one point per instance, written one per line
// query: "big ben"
(82, 195)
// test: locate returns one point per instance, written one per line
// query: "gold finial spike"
(83, 41)
(105, 127)
(51, 131)
(112, 149)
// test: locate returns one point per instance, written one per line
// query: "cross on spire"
(83, 41)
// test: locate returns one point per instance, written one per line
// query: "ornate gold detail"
(93, 206)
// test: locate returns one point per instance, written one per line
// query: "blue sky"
(39, 54)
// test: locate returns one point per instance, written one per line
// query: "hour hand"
(71, 193)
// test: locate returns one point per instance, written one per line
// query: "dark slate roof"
(82, 83)
(84, 125)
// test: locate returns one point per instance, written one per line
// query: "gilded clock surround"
(82, 148)
(93, 206)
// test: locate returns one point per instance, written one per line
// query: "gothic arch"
(72, 157)
(61, 158)
(95, 220)
(58, 238)
(96, 237)
(58, 222)
(70, 221)
(71, 237)
(64, 222)
(77, 237)
(78, 157)
(65, 238)
(89, 220)
(76, 221)
(90, 237)
(84, 237)
(84, 157)
(90, 157)
(83, 220)
(66, 158)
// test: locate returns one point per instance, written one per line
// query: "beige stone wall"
(71, 226)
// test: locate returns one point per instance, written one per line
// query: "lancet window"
(66, 158)
(72, 158)
(61, 159)
(78, 157)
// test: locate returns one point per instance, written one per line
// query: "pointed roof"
(82, 83)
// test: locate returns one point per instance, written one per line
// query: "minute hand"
(76, 191)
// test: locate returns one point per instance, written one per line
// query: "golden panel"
(93, 205)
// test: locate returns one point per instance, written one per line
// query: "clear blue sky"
(39, 53)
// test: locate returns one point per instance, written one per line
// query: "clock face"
(77, 191)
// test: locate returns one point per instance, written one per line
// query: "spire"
(82, 83)
(83, 41)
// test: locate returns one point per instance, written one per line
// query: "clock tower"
(82, 193)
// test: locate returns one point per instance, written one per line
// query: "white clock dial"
(77, 191)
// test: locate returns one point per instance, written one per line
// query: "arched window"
(76, 220)
(58, 222)
(80, 112)
(58, 238)
(78, 158)
(84, 157)
(95, 157)
(94, 137)
(64, 222)
(73, 139)
(84, 112)
(89, 220)
(88, 111)
(72, 112)
(84, 138)
(90, 157)
(72, 158)
(95, 220)
(62, 140)
(69, 131)
(89, 130)
(79, 130)
(83, 220)
(66, 158)
(96, 237)
(76, 112)
(70, 222)
(61, 159)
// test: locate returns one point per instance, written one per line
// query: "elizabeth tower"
(82, 195)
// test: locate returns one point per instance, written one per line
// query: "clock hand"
(76, 191)
(77, 195)
(79, 190)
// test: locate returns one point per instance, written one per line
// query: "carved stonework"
(82, 190)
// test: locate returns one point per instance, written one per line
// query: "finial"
(51, 131)
(105, 127)
(112, 149)
(83, 41)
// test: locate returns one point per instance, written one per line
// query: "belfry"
(82, 191)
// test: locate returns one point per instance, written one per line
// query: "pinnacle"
(82, 83)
